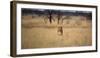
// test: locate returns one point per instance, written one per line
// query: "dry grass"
(38, 34)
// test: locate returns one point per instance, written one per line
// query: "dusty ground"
(39, 34)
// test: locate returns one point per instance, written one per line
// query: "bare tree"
(59, 17)
(49, 15)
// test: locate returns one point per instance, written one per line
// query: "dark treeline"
(27, 11)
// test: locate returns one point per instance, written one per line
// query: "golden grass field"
(37, 33)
